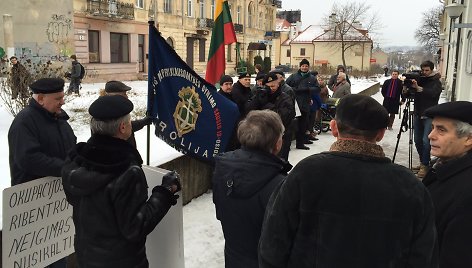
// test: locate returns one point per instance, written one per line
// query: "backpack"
(82, 71)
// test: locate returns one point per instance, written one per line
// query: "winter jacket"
(303, 85)
(241, 95)
(287, 90)
(450, 186)
(112, 214)
(243, 181)
(227, 95)
(342, 89)
(429, 97)
(279, 102)
(392, 91)
(349, 207)
(38, 143)
(75, 71)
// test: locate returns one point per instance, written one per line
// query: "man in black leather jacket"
(107, 188)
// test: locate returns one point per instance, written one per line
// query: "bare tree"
(351, 23)
(428, 32)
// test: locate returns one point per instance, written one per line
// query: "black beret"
(225, 79)
(260, 76)
(47, 85)
(458, 110)
(110, 107)
(361, 112)
(243, 75)
(116, 86)
(304, 61)
(270, 77)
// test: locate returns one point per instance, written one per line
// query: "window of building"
(167, 6)
(288, 53)
(201, 52)
(189, 8)
(213, 9)
(94, 46)
(250, 12)
(302, 52)
(238, 15)
(228, 53)
(140, 3)
(119, 47)
(202, 9)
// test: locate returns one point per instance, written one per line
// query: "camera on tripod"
(408, 83)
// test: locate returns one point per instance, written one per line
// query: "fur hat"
(361, 112)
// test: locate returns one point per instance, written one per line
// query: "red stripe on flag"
(216, 66)
(230, 35)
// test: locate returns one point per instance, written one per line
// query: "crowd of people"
(347, 207)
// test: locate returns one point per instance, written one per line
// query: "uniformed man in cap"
(351, 206)
(450, 180)
(40, 137)
(119, 88)
(104, 182)
(242, 92)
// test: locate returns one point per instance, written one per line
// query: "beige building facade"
(110, 37)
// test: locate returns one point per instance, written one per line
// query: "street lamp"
(454, 10)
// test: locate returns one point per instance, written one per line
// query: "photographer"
(427, 90)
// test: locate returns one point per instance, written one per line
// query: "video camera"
(408, 83)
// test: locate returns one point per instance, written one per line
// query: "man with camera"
(427, 90)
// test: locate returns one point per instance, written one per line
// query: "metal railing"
(239, 28)
(205, 23)
(111, 8)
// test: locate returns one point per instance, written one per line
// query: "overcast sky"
(399, 18)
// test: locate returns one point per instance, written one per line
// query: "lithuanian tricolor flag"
(223, 34)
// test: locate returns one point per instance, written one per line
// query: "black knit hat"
(110, 107)
(304, 61)
(47, 85)
(225, 79)
(458, 110)
(116, 86)
(361, 112)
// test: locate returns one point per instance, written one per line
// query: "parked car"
(284, 68)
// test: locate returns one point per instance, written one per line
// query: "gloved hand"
(149, 120)
(171, 181)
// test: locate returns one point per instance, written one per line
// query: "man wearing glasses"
(427, 92)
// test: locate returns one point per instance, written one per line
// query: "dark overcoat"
(303, 85)
(38, 143)
(350, 207)
(392, 91)
(450, 185)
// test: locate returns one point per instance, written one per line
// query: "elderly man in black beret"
(40, 136)
(104, 182)
(450, 181)
(351, 206)
(119, 88)
(242, 92)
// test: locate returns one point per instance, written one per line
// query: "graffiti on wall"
(58, 29)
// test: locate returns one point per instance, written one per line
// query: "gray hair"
(463, 129)
(108, 128)
(342, 75)
(260, 130)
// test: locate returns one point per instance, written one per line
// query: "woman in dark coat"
(243, 181)
(392, 91)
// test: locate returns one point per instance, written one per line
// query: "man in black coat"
(351, 206)
(40, 136)
(427, 92)
(392, 91)
(272, 98)
(305, 84)
(450, 181)
(243, 181)
(19, 79)
(104, 182)
(241, 92)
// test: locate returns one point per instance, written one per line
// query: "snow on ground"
(203, 238)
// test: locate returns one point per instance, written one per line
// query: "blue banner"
(192, 116)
